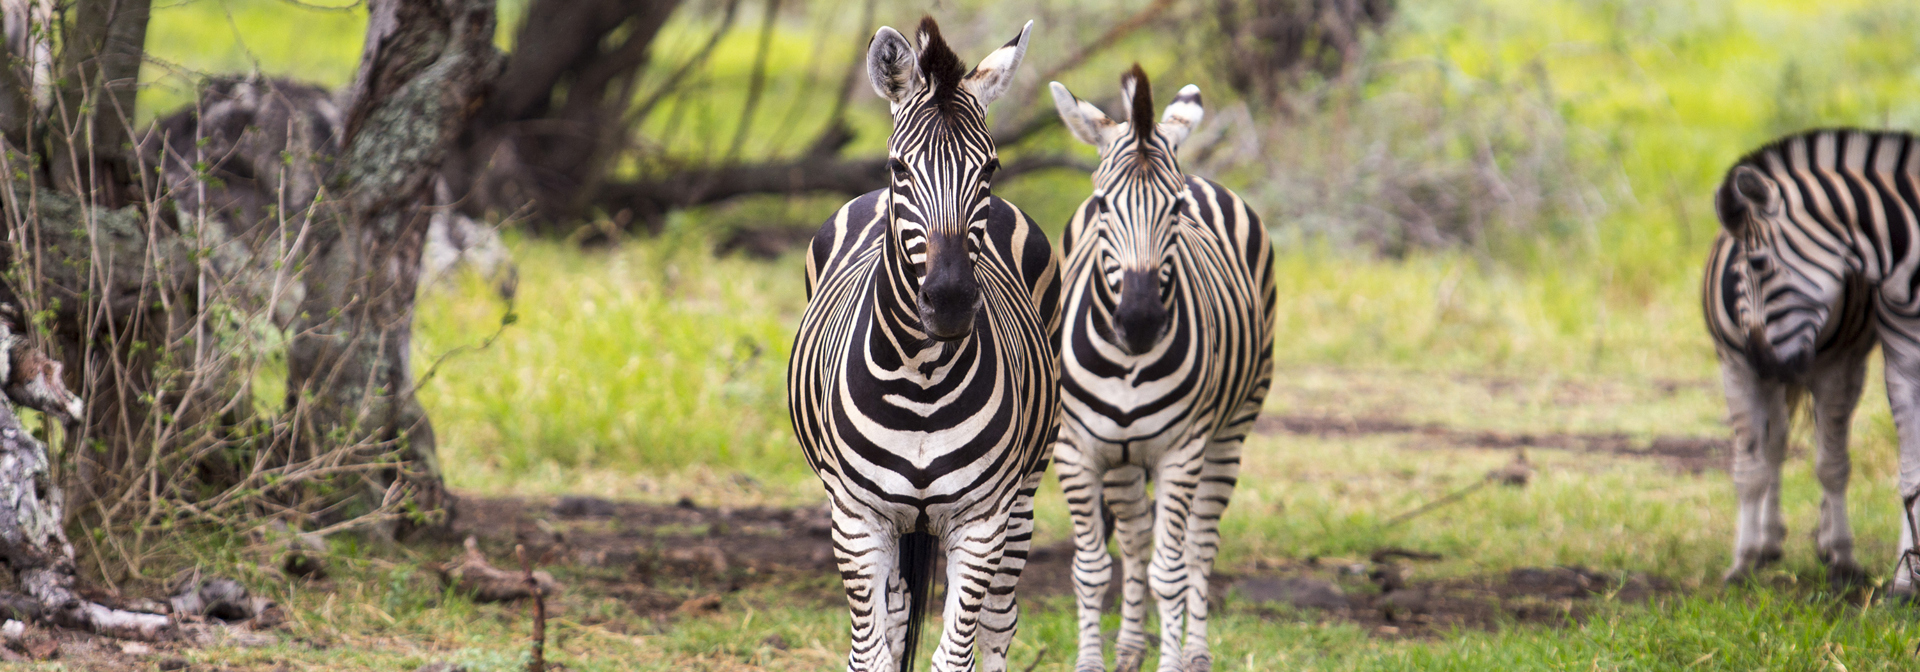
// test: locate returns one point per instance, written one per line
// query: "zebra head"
(941, 158)
(1138, 192)
(1787, 288)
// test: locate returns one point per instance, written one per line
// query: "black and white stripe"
(1166, 358)
(924, 383)
(1815, 263)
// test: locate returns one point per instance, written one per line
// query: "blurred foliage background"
(1517, 186)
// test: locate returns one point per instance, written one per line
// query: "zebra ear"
(1182, 115)
(1086, 121)
(994, 75)
(1746, 192)
(893, 66)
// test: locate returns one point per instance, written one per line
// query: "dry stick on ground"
(1042, 655)
(539, 662)
(1515, 473)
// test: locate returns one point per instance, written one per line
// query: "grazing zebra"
(1815, 264)
(1167, 356)
(924, 384)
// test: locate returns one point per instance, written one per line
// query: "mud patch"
(1690, 453)
(1389, 606)
(670, 561)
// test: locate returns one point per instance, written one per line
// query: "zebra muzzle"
(1766, 360)
(949, 295)
(1140, 319)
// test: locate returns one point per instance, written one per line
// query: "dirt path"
(665, 561)
(1693, 454)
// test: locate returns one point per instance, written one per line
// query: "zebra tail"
(916, 569)
(1797, 406)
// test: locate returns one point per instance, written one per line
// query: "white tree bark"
(32, 542)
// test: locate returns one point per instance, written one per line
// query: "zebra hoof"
(1199, 664)
(1128, 661)
(1845, 576)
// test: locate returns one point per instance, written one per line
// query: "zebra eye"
(986, 175)
(899, 168)
(1099, 202)
(1759, 262)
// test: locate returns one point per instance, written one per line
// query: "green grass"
(653, 358)
(653, 370)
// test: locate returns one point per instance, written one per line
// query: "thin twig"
(539, 662)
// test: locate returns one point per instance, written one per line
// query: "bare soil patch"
(657, 552)
(1377, 596)
(1693, 454)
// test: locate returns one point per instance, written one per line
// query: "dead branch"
(539, 662)
(473, 574)
(814, 173)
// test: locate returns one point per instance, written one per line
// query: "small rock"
(699, 605)
(13, 630)
(686, 503)
(215, 597)
(135, 648)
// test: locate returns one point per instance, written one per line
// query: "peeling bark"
(32, 542)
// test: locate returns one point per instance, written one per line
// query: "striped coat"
(1167, 357)
(1816, 263)
(924, 382)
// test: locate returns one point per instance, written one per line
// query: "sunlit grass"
(653, 357)
(653, 371)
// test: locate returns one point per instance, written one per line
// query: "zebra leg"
(1000, 613)
(973, 560)
(1219, 472)
(1757, 409)
(1836, 391)
(1175, 484)
(1126, 489)
(1903, 394)
(1092, 566)
(876, 597)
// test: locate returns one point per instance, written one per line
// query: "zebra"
(1815, 264)
(924, 381)
(1166, 358)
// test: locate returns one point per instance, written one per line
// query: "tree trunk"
(558, 112)
(93, 118)
(425, 65)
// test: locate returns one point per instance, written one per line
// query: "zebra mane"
(1727, 203)
(1756, 158)
(1142, 113)
(938, 63)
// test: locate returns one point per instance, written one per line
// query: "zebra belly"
(1140, 441)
